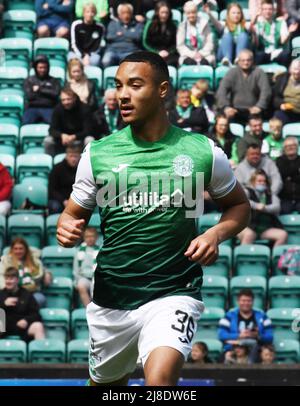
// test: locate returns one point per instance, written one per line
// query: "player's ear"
(163, 89)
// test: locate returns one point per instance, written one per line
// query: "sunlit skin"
(290, 148)
(184, 99)
(125, 15)
(67, 101)
(260, 180)
(222, 126)
(256, 126)
(267, 356)
(19, 251)
(111, 100)
(73, 158)
(88, 15)
(276, 131)
(197, 354)
(191, 15)
(245, 61)
(90, 238)
(267, 11)
(295, 71)
(253, 156)
(76, 73)
(235, 15)
(11, 284)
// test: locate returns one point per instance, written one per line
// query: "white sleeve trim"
(222, 178)
(73, 37)
(85, 188)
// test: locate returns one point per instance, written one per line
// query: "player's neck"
(153, 130)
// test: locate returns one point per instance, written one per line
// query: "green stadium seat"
(18, 51)
(12, 351)
(173, 76)
(11, 108)
(284, 291)
(36, 193)
(291, 223)
(209, 322)
(287, 351)
(55, 49)
(222, 266)
(282, 321)
(220, 72)
(272, 69)
(51, 225)
(295, 43)
(237, 129)
(13, 77)
(277, 252)
(32, 137)
(94, 73)
(79, 324)
(59, 293)
(56, 323)
(29, 226)
(48, 351)
(257, 284)
(215, 347)
(189, 74)
(31, 165)
(58, 158)
(78, 351)
(214, 291)
(251, 259)
(14, 91)
(176, 15)
(291, 129)
(2, 232)
(20, 5)
(59, 260)
(207, 221)
(109, 74)
(19, 23)
(9, 162)
(9, 139)
(57, 72)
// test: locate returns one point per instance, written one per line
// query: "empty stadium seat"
(78, 351)
(18, 51)
(56, 323)
(59, 260)
(237, 129)
(220, 72)
(46, 351)
(291, 129)
(79, 324)
(13, 77)
(19, 23)
(11, 109)
(257, 284)
(222, 266)
(58, 158)
(282, 321)
(9, 162)
(214, 291)
(51, 226)
(12, 351)
(272, 68)
(32, 137)
(94, 73)
(57, 72)
(276, 253)
(20, 5)
(251, 259)
(284, 291)
(108, 77)
(55, 49)
(31, 165)
(59, 293)
(287, 351)
(173, 76)
(29, 226)
(9, 139)
(209, 322)
(291, 223)
(189, 74)
(36, 193)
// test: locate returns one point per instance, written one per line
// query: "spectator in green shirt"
(273, 143)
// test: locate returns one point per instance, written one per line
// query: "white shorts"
(119, 337)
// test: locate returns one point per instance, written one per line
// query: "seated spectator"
(71, 121)
(6, 187)
(254, 161)
(201, 97)
(286, 97)
(21, 309)
(293, 11)
(53, 17)
(124, 36)
(32, 276)
(224, 138)
(265, 207)
(238, 355)
(81, 85)
(273, 143)
(199, 354)
(41, 93)
(160, 34)
(289, 168)
(255, 135)
(86, 37)
(245, 326)
(271, 36)
(235, 33)
(85, 264)
(61, 179)
(244, 90)
(186, 116)
(101, 9)
(195, 43)
(107, 118)
(267, 355)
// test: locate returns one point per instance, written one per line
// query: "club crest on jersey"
(183, 165)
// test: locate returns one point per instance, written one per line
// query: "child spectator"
(85, 264)
(200, 97)
(239, 355)
(101, 8)
(199, 354)
(267, 355)
(273, 143)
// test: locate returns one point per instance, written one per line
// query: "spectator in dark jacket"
(160, 34)
(70, 123)
(61, 179)
(186, 116)
(53, 17)
(124, 36)
(223, 137)
(293, 10)
(41, 93)
(245, 326)
(244, 90)
(286, 94)
(289, 168)
(6, 186)
(86, 37)
(21, 309)
(107, 119)
(255, 135)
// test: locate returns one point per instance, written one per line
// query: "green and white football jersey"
(149, 196)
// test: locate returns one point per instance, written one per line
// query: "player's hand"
(70, 232)
(204, 249)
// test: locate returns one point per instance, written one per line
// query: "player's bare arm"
(71, 224)
(235, 217)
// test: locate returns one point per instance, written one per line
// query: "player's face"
(137, 92)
